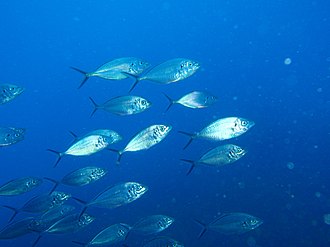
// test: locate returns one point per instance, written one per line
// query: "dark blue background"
(242, 46)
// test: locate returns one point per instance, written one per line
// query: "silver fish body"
(116, 69)
(84, 176)
(8, 92)
(113, 234)
(196, 99)
(47, 219)
(153, 224)
(146, 138)
(219, 156)
(70, 223)
(85, 146)
(11, 135)
(17, 228)
(222, 129)
(123, 105)
(119, 195)
(19, 186)
(162, 242)
(171, 71)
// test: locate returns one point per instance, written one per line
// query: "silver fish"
(85, 146)
(173, 70)
(145, 139)
(194, 100)
(232, 223)
(17, 228)
(111, 235)
(113, 70)
(69, 224)
(47, 219)
(41, 203)
(19, 186)
(8, 92)
(112, 136)
(117, 195)
(10, 135)
(162, 242)
(219, 156)
(80, 177)
(222, 129)
(152, 224)
(123, 105)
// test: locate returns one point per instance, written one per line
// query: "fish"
(47, 219)
(123, 105)
(20, 186)
(11, 135)
(221, 129)
(113, 70)
(162, 241)
(194, 100)
(112, 136)
(172, 70)
(41, 203)
(69, 224)
(219, 156)
(85, 146)
(152, 224)
(17, 228)
(145, 139)
(80, 177)
(116, 195)
(111, 235)
(231, 223)
(8, 92)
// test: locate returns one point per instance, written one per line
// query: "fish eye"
(244, 123)
(11, 88)
(141, 62)
(190, 64)
(16, 135)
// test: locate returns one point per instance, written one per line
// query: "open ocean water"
(267, 61)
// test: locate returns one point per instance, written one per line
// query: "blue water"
(242, 46)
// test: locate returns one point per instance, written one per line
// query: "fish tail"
(204, 227)
(37, 240)
(193, 164)
(16, 211)
(79, 243)
(96, 106)
(192, 136)
(136, 78)
(56, 183)
(59, 154)
(83, 203)
(171, 102)
(82, 72)
(73, 134)
(119, 152)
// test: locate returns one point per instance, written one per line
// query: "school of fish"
(50, 213)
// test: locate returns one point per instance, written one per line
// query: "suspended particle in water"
(287, 61)
(326, 219)
(290, 165)
(318, 194)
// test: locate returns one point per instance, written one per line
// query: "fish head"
(241, 125)
(33, 182)
(164, 129)
(210, 99)
(252, 222)
(15, 135)
(188, 67)
(123, 229)
(86, 219)
(137, 66)
(236, 152)
(60, 197)
(13, 89)
(167, 221)
(136, 189)
(98, 173)
(142, 103)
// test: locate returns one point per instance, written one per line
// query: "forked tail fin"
(59, 154)
(193, 164)
(119, 152)
(192, 136)
(56, 183)
(204, 227)
(82, 72)
(136, 78)
(15, 212)
(96, 106)
(171, 102)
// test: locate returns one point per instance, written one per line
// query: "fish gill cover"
(265, 62)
